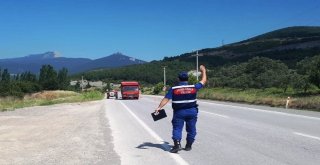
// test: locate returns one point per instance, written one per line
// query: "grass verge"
(272, 97)
(48, 98)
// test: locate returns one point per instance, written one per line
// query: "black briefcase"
(162, 114)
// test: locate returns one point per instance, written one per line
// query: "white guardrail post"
(288, 102)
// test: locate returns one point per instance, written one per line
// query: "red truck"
(130, 90)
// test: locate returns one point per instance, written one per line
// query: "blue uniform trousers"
(189, 116)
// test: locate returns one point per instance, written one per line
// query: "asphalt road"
(227, 134)
(123, 132)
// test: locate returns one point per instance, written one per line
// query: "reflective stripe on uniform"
(185, 101)
(183, 86)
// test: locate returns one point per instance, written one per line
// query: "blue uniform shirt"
(185, 114)
(169, 93)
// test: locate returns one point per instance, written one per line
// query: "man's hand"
(163, 102)
(156, 112)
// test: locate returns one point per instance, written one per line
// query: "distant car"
(113, 94)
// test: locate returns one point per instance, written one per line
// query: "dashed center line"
(306, 135)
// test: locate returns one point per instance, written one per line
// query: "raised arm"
(204, 74)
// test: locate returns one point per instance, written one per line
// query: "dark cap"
(183, 76)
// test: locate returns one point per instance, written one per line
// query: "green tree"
(63, 81)
(28, 76)
(106, 87)
(14, 90)
(158, 88)
(223, 77)
(48, 78)
(285, 81)
(17, 77)
(309, 68)
(300, 82)
(5, 84)
(265, 73)
(28, 87)
(242, 81)
(77, 86)
(5, 77)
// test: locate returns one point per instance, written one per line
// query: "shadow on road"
(146, 145)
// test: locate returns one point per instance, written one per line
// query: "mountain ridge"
(34, 62)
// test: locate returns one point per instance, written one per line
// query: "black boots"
(176, 147)
(188, 146)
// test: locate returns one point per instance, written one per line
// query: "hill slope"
(288, 45)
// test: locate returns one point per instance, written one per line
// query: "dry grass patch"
(48, 98)
(48, 95)
(271, 97)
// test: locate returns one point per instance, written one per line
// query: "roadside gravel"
(76, 133)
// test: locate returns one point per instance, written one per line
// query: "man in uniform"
(185, 109)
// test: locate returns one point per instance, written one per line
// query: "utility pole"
(197, 57)
(81, 83)
(197, 66)
(164, 75)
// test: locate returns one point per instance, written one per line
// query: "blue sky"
(144, 29)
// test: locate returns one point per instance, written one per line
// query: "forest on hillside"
(285, 59)
(257, 73)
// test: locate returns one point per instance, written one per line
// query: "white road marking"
(176, 157)
(261, 110)
(308, 136)
(227, 117)
(255, 109)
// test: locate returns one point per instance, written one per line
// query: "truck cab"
(130, 90)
